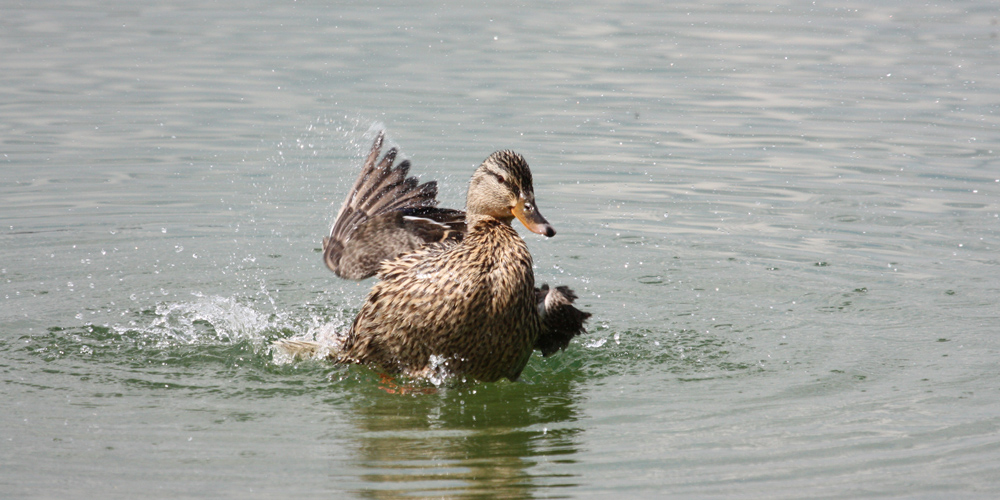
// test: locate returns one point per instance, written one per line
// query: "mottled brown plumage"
(386, 214)
(457, 292)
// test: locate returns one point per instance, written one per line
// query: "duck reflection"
(502, 440)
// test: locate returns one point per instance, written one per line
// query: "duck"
(456, 294)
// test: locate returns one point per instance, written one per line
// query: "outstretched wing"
(386, 214)
(560, 320)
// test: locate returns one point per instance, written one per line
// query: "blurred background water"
(783, 217)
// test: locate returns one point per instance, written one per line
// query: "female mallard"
(457, 292)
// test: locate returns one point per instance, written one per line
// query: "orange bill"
(526, 212)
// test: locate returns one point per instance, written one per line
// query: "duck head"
(501, 188)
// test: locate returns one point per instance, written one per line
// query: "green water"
(783, 218)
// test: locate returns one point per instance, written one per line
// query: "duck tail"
(288, 350)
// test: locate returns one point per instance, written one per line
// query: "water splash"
(319, 341)
(211, 319)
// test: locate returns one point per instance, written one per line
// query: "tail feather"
(288, 350)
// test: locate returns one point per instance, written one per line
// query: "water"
(784, 219)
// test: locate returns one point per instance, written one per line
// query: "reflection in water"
(493, 440)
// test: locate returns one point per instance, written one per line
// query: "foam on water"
(783, 218)
(209, 319)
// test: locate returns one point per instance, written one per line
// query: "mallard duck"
(456, 294)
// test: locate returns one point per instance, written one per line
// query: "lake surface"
(785, 219)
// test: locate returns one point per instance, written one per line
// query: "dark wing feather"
(560, 320)
(386, 214)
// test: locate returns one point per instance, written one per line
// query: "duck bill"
(529, 216)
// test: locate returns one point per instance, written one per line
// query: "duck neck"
(472, 220)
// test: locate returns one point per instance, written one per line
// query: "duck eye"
(500, 178)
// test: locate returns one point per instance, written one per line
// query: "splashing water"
(211, 319)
